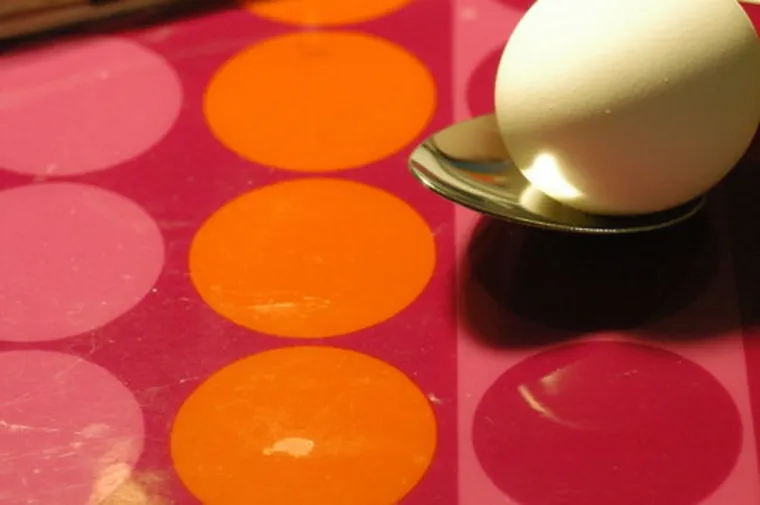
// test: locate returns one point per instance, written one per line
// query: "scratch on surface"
(272, 307)
(18, 428)
(60, 375)
(292, 446)
(307, 303)
(189, 379)
(434, 399)
(19, 97)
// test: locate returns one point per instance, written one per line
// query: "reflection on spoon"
(468, 164)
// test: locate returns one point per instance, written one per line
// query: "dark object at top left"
(24, 19)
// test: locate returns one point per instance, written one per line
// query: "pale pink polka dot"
(607, 423)
(79, 107)
(72, 258)
(70, 432)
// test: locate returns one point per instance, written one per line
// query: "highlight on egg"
(625, 108)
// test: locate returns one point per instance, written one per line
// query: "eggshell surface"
(629, 107)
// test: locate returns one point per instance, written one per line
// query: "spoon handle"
(20, 18)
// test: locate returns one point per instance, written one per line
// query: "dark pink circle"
(482, 84)
(753, 11)
(77, 107)
(523, 5)
(70, 432)
(607, 423)
(73, 258)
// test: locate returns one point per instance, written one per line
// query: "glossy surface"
(404, 390)
(80, 107)
(72, 447)
(285, 426)
(571, 414)
(76, 257)
(468, 164)
(322, 254)
(320, 106)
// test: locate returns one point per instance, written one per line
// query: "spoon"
(468, 164)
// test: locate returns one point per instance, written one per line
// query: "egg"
(629, 107)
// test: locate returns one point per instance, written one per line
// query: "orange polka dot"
(324, 12)
(312, 258)
(320, 101)
(305, 426)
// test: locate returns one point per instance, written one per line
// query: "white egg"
(629, 107)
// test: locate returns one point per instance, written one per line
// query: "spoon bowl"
(468, 164)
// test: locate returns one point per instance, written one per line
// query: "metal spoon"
(468, 164)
